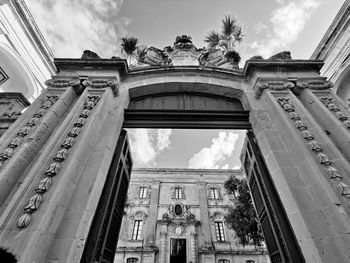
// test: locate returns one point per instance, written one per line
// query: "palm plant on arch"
(230, 34)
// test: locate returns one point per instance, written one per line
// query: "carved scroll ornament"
(61, 155)
(276, 85)
(323, 159)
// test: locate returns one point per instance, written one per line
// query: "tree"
(242, 218)
(129, 47)
(231, 185)
(230, 34)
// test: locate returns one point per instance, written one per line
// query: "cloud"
(147, 144)
(210, 157)
(288, 21)
(163, 136)
(71, 26)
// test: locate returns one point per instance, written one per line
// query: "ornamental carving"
(333, 107)
(276, 85)
(33, 204)
(62, 83)
(178, 212)
(103, 83)
(25, 130)
(323, 159)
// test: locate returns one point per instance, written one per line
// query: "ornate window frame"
(219, 196)
(137, 216)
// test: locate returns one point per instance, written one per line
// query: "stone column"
(302, 165)
(206, 241)
(194, 247)
(163, 246)
(152, 215)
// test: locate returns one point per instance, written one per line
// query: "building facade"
(178, 216)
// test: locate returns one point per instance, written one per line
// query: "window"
(249, 261)
(143, 192)
(132, 260)
(224, 261)
(178, 192)
(214, 193)
(219, 231)
(136, 232)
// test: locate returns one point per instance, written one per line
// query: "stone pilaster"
(194, 247)
(206, 241)
(25, 139)
(163, 246)
(152, 216)
(332, 115)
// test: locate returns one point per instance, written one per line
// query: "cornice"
(278, 65)
(97, 64)
(186, 170)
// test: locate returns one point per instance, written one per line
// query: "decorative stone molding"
(323, 159)
(318, 84)
(62, 83)
(332, 106)
(103, 83)
(276, 85)
(25, 130)
(61, 155)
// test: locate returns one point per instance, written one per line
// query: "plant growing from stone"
(226, 39)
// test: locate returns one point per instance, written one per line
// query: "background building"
(177, 215)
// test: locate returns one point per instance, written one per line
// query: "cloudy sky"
(270, 26)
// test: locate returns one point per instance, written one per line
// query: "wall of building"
(161, 203)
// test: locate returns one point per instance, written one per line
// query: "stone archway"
(287, 101)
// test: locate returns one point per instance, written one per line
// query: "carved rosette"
(276, 85)
(61, 155)
(323, 159)
(103, 83)
(332, 106)
(24, 131)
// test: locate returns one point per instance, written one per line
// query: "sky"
(270, 26)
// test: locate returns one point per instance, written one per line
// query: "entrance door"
(178, 250)
(279, 235)
(103, 236)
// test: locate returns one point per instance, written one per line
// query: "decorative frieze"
(24, 131)
(61, 155)
(332, 106)
(323, 159)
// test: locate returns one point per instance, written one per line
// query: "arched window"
(249, 261)
(132, 260)
(223, 261)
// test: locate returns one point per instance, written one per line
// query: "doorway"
(205, 111)
(178, 250)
